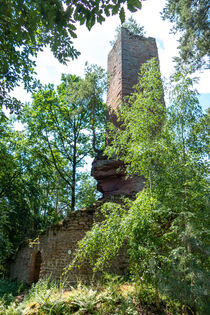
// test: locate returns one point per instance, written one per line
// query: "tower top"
(124, 62)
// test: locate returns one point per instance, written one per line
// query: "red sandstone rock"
(111, 178)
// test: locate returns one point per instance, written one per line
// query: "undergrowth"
(113, 296)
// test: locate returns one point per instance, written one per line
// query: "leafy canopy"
(28, 26)
(26, 204)
(191, 22)
(67, 123)
(41, 167)
(132, 26)
(166, 228)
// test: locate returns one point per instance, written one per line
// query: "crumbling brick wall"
(53, 251)
(129, 53)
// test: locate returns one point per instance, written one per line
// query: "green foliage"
(132, 26)
(65, 126)
(87, 191)
(112, 297)
(26, 186)
(56, 121)
(7, 286)
(111, 233)
(10, 289)
(146, 296)
(42, 291)
(26, 27)
(13, 190)
(141, 118)
(86, 299)
(94, 86)
(41, 171)
(191, 21)
(166, 227)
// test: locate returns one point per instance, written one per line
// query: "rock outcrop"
(111, 178)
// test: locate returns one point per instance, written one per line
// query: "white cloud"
(21, 94)
(203, 85)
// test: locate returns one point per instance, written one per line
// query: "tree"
(20, 193)
(41, 166)
(61, 122)
(44, 188)
(29, 190)
(94, 86)
(191, 21)
(87, 191)
(132, 26)
(28, 26)
(165, 228)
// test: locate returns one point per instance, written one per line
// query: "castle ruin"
(124, 61)
(49, 254)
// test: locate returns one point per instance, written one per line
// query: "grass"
(10, 289)
(112, 297)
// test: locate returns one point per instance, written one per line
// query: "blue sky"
(94, 47)
(204, 100)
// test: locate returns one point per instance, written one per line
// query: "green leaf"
(122, 15)
(90, 22)
(137, 3)
(133, 5)
(115, 9)
(107, 11)
(73, 34)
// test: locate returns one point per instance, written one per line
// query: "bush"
(114, 296)
(10, 289)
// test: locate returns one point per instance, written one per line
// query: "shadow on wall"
(35, 267)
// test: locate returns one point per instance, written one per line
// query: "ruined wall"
(135, 52)
(55, 248)
(124, 62)
(114, 69)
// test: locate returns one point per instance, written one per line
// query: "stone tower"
(124, 62)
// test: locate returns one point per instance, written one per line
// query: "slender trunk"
(184, 309)
(73, 189)
(55, 164)
(150, 188)
(74, 170)
(93, 124)
(150, 182)
(184, 219)
(56, 204)
(45, 210)
(183, 144)
(157, 299)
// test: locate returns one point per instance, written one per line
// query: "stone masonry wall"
(114, 69)
(56, 247)
(124, 62)
(135, 52)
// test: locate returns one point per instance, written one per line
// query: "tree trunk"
(93, 124)
(157, 299)
(73, 199)
(56, 205)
